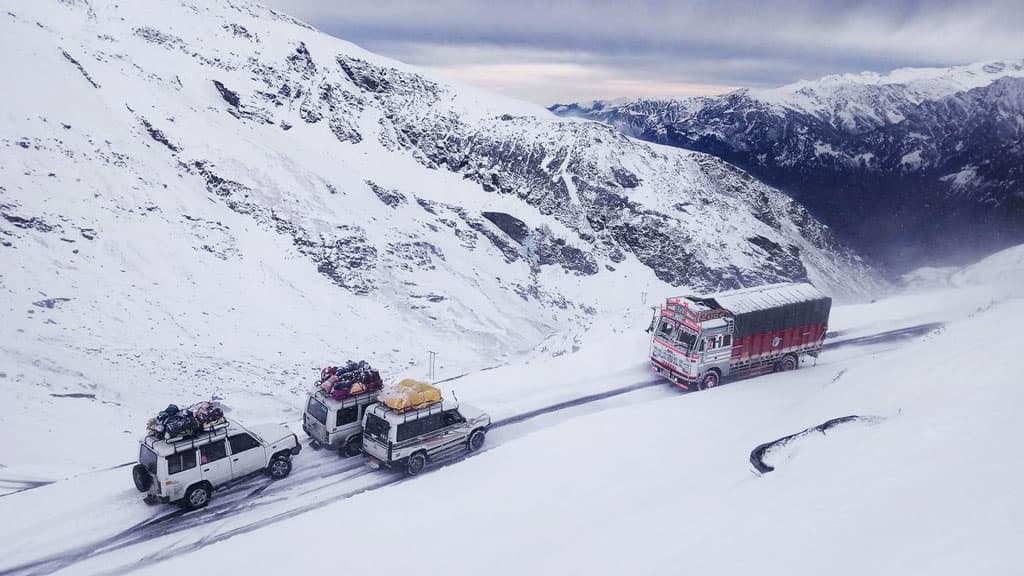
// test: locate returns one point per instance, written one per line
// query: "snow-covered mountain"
(213, 197)
(907, 165)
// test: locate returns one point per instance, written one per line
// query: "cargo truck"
(698, 341)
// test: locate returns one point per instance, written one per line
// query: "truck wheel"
(788, 363)
(354, 446)
(279, 467)
(197, 497)
(416, 463)
(476, 440)
(143, 480)
(710, 380)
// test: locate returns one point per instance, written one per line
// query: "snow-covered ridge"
(916, 85)
(826, 96)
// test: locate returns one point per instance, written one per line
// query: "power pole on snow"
(643, 297)
(433, 363)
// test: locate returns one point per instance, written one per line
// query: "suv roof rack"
(319, 394)
(181, 443)
(420, 411)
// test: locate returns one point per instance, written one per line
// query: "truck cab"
(690, 341)
(336, 424)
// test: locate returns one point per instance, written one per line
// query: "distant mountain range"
(918, 166)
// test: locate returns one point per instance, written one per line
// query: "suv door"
(214, 463)
(454, 425)
(247, 454)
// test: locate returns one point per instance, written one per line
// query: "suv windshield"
(147, 458)
(376, 427)
(317, 410)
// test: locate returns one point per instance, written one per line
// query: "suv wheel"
(416, 463)
(476, 440)
(354, 446)
(279, 467)
(197, 496)
(143, 480)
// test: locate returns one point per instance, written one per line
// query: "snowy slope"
(211, 198)
(659, 481)
(894, 162)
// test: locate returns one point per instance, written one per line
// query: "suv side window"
(181, 461)
(408, 430)
(348, 415)
(418, 427)
(213, 452)
(432, 423)
(242, 442)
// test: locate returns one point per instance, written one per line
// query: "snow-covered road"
(131, 532)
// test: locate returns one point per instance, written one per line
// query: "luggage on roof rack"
(350, 379)
(179, 443)
(409, 394)
(173, 422)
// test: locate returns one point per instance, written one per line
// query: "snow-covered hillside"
(926, 483)
(595, 466)
(211, 198)
(895, 162)
(619, 491)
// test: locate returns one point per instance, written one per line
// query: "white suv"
(412, 439)
(337, 424)
(187, 471)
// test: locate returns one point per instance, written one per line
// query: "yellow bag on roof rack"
(409, 394)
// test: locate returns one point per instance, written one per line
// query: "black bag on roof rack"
(182, 424)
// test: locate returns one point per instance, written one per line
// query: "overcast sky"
(580, 50)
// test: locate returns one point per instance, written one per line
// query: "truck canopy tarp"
(771, 308)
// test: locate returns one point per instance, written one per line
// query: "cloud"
(547, 51)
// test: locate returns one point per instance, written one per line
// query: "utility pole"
(433, 363)
(643, 297)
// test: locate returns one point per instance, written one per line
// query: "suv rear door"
(247, 454)
(214, 463)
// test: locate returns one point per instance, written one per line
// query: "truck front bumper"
(684, 381)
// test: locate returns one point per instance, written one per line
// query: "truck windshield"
(147, 458)
(686, 338)
(676, 333)
(317, 410)
(376, 427)
(666, 328)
